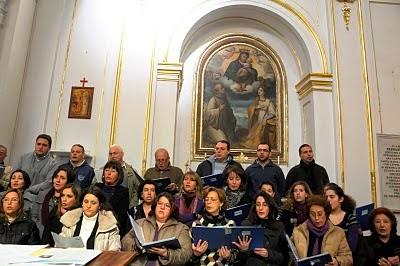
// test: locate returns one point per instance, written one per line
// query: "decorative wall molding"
(167, 71)
(314, 82)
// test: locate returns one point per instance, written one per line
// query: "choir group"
(41, 196)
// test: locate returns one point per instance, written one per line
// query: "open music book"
(317, 260)
(171, 242)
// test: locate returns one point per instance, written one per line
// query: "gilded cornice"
(314, 82)
(167, 71)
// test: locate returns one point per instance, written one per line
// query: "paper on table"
(67, 242)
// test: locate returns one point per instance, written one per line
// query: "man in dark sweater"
(313, 174)
(262, 170)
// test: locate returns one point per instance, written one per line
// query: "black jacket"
(313, 174)
(119, 202)
(205, 167)
(53, 225)
(370, 249)
(22, 231)
(275, 243)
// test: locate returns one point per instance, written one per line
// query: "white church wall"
(15, 33)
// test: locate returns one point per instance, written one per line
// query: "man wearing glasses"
(262, 170)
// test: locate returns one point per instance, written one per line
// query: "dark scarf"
(45, 213)
(209, 219)
(319, 233)
(233, 197)
(301, 211)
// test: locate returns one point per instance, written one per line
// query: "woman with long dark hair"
(275, 251)
(69, 201)
(342, 213)
(95, 223)
(294, 210)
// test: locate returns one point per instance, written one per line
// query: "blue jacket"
(257, 174)
(84, 174)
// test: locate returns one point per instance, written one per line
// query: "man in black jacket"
(216, 163)
(313, 174)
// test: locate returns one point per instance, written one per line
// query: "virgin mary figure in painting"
(261, 121)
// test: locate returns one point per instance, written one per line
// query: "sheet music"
(67, 242)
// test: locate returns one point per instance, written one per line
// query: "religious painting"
(80, 103)
(240, 97)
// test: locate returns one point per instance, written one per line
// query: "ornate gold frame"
(199, 150)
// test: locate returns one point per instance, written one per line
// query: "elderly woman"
(160, 224)
(294, 209)
(215, 206)
(342, 213)
(147, 192)
(15, 226)
(275, 251)
(94, 222)
(382, 247)
(69, 201)
(48, 198)
(235, 181)
(117, 195)
(318, 234)
(189, 201)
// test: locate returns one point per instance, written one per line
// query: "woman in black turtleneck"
(275, 252)
(117, 195)
(294, 210)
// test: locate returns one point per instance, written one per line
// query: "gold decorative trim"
(314, 82)
(117, 87)
(368, 106)
(170, 72)
(149, 104)
(346, 10)
(64, 73)
(339, 101)
(309, 28)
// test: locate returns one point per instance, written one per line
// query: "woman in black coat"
(117, 195)
(275, 252)
(15, 226)
(382, 247)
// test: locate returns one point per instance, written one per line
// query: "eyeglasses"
(165, 205)
(317, 214)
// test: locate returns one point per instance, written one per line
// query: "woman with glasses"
(95, 223)
(317, 234)
(215, 206)
(15, 226)
(190, 201)
(160, 224)
(382, 247)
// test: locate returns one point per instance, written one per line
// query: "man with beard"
(220, 122)
(262, 170)
(307, 170)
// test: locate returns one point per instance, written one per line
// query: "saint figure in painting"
(220, 122)
(261, 121)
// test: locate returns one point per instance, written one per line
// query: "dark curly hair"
(389, 214)
(174, 212)
(273, 209)
(349, 204)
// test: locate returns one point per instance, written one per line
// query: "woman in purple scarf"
(317, 234)
(190, 203)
